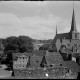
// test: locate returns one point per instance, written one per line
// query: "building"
(37, 44)
(71, 65)
(70, 40)
(20, 60)
(53, 59)
(37, 57)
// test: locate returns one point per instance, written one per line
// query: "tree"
(18, 44)
(11, 44)
(25, 44)
(15, 44)
(44, 47)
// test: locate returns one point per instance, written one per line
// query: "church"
(70, 40)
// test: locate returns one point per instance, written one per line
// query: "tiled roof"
(25, 54)
(61, 36)
(71, 65)
(54, 57)
(67, 51)
(39, 52)
(76, 55)
(35, 61)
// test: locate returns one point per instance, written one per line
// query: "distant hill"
(49, 41)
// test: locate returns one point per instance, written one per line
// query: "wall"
(58, 44)
(54, 73)
(40, 73)
(20, 63)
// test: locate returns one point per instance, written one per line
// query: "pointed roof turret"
(56, 29)
(73, 24)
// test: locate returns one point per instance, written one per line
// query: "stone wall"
(40, 73)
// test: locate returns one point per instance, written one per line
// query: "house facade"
(20, 60)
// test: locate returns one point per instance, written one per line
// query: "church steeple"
(56, 29)
(73, 32)
(73, 24)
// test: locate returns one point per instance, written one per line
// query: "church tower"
(73, 32)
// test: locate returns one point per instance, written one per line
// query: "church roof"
(61, 36)
(73, 24)
(67, 35)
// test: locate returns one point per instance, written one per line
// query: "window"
(75, 36)
(51, 65)
(37, 61)
(76, 49)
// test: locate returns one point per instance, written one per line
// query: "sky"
(37, 19)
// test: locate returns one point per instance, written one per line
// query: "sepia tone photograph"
(39, 40)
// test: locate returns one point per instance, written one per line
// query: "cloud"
(36, 27)
(11, 24)
(35, 19)
(64, 26)
(24, 3)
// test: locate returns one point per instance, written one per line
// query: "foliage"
(46, 47)
(25, 44)
(18, 44)
(44, 41)
(15, 44)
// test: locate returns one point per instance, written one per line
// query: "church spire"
(56, 29)
(73, 24)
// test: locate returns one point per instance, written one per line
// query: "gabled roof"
(54, 58)
(25, 54)
(36, 59)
